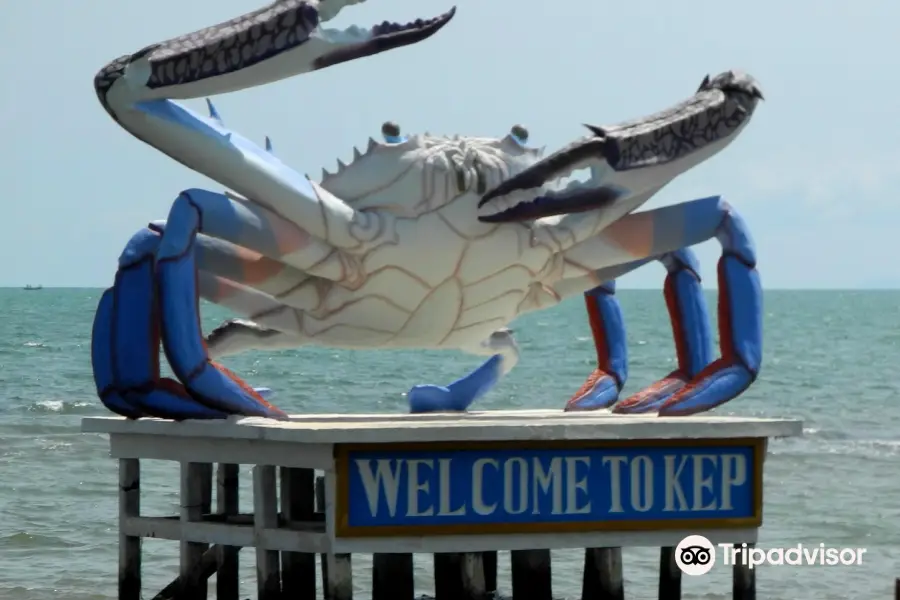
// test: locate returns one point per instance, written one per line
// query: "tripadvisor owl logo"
(695, 555)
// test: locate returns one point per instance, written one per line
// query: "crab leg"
(264, 276)
(740, 328)
(699, 383)
(177, 293)
(603, 386)
(125, 344)
(690, 329)
(459, 395)
(277, 241)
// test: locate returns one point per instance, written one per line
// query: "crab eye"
(519, 134)
(391, 133)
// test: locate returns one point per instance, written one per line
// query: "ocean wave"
(23, 540)
(78, 407)
(836, 445)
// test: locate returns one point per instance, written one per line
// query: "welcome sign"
(498, 487)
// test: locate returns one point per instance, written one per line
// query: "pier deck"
(460, 486)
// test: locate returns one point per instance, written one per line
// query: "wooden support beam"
(196, 498)
(489, 564)
(603, 574)
(129, 546)
(459, 576)
(337, 569)
(298, 570)
(531, 575)
(743, 579)
(392, 577)
(203, 570)
(227, 504)
(669, 575)
(265, 511)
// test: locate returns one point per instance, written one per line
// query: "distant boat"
(32, 288)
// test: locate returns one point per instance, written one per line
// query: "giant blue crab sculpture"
(421, 242)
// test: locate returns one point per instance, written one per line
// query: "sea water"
(831, 359)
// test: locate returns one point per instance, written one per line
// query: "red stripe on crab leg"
(690, 329)
(602, 387)
(207, 382)
(125, 343)
(740, 327)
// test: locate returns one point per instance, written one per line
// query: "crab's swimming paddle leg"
(602, 387)
(208, 383)
(739, 314)
(690, 328)
(460, 394)
(740, 326)
(125, 343)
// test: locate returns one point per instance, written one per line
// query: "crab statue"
(420, 242)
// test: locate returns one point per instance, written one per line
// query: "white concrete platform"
(499, 425)
(309, 441)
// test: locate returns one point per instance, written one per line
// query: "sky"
(816, 175)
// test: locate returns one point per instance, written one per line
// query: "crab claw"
(283, 39)
(629, 160)
(342, 45)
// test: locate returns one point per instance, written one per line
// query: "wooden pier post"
(265, 516)
(337, 569)
(897, 589)
(392, 577)
(669, 575)
(603, 574)
(196, 500)
(228, 503)
(202, 571)
(459, 576)
(489, 564)
(531, 575)
(129, 546)
(743, 579)
(298, 569)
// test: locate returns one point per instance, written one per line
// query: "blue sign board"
(498, 487)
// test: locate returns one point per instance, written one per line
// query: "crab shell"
(422, 241)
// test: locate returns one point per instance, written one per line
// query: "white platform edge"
(519, 425)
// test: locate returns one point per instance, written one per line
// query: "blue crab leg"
(690, 329)
(462, 393)
(177, 293)
(125, 343)
(601, 390)
(699, 383)
(253, 227)
(740, 313)
(239, 276)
